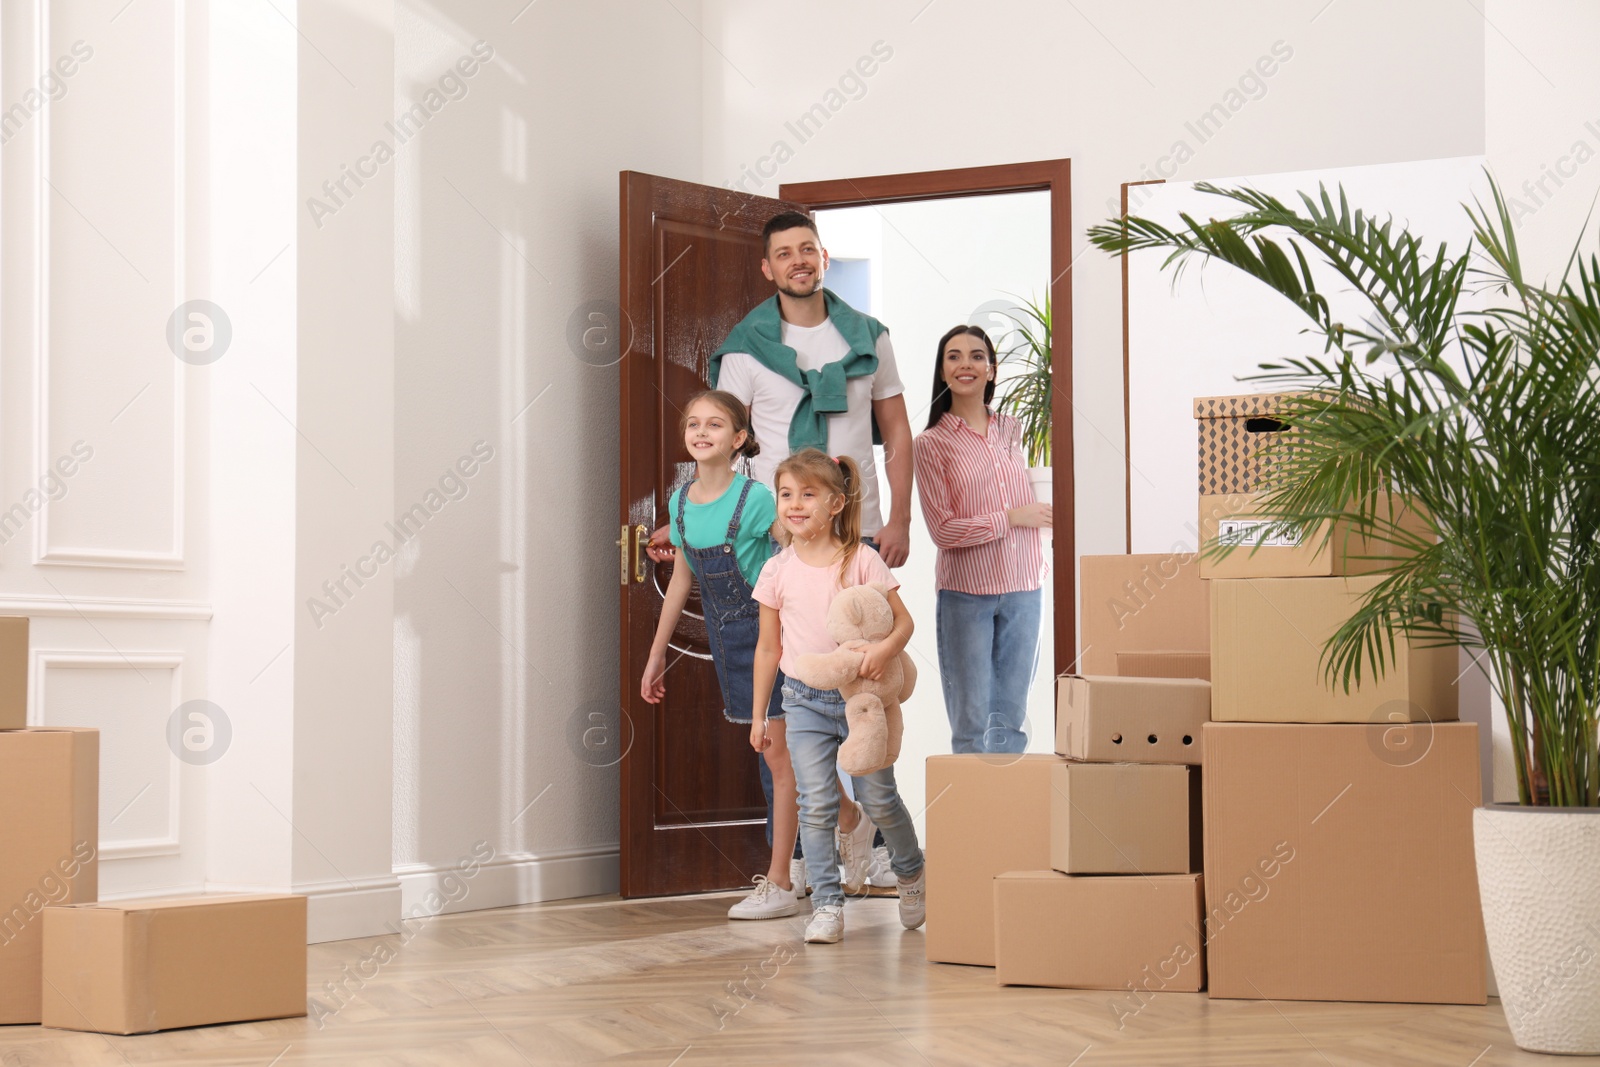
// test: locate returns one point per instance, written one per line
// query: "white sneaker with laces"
(881, 879)
(797, 877)
(769, 901)
(826, 926)
(914, 900)
(855, 853)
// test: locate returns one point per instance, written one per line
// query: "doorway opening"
(921, 267)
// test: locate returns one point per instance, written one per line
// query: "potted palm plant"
(1025, 392)
(1488, 417)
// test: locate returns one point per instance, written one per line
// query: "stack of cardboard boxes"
(71, 962)
(1338, 826)
(1337, 844)
(1081, 869)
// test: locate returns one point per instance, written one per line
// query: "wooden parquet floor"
(672, 983)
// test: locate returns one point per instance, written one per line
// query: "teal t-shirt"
(707, 524)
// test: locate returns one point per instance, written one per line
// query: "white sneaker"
(769, 901)
(914, 900)
(855, 853)
(881, 879)
(797, 877)
(826, 926)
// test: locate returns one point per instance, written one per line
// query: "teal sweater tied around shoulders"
(760, 334)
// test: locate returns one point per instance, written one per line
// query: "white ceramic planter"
(1539, 877)
(1043, 485)
(1043, 489)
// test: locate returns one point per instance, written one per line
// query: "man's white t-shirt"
(772, 399)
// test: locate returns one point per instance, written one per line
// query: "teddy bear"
(858, 617)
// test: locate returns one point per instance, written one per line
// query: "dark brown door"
(693, 818)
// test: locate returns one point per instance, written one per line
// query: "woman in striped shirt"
(980, 510)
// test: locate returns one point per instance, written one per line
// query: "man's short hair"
(786, 220)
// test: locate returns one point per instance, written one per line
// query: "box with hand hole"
(1131, 720)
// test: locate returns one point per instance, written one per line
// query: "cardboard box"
(13, 672)
(1339, 863)
(1134, 935)
(1267, 636)
(1124, 818)
(1131, 720)
(1140, 603)
(1164, 665)
(986, 814)
(1289, 552)
(136, 966)
(1233, 431)
(49, 844)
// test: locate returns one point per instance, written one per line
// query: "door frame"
(1053, 176)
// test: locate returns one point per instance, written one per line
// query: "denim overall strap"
(738, 513)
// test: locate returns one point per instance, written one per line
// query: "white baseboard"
(508, 880)
(340, 910)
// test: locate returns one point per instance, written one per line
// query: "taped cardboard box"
(1134, 935)
(1131, 720)
(1267, 636)
(1124, 818)
(137, 966)
(986, 814)
(1269, 548)
(13, 672)
(1140, 603)
(49, 843)
(1339, 862)
(1164, 665)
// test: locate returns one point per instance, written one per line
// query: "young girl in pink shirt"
(819, 514)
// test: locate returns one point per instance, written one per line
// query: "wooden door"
(693, 817)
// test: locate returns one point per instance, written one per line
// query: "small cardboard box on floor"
(1131, 720)
(1124, 818)
(1140, 603)
(138, 966)
(49, 843)
(1339, 862)
(1267, 636)
(1133, 935)
(987, 814)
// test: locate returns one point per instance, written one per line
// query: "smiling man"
(818, 373)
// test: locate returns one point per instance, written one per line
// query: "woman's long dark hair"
(941, 392)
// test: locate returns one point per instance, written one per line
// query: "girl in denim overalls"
(722, 523)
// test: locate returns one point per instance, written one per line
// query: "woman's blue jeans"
(816, 729)
(988, 652)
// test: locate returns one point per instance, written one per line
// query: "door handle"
(641, 535)
(622, 543)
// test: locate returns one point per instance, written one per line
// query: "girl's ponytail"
(847, 524)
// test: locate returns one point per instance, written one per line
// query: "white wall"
(505, 622)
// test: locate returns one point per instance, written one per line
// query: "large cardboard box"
(1339, 862)
(49, 844)
(1131, 720)
(1267, 636)
(1124, 818)
(136, 966)
(1286, 551)
(1164, 665)
(986, 814)
(13, 672)
(1140, 603)
(1135, 935)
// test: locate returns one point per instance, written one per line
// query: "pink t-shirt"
(802, 593)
